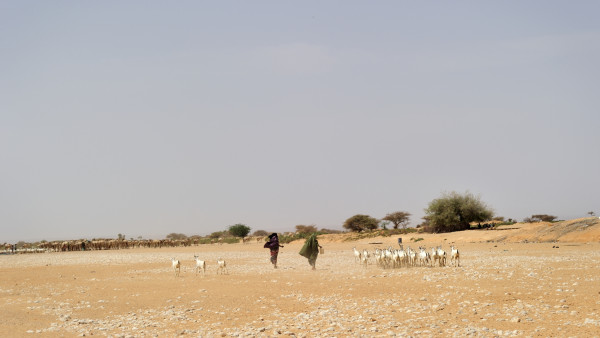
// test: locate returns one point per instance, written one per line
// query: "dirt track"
(501, 289)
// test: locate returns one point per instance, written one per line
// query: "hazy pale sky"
(151, 117)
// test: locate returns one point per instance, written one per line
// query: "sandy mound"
(577, 230)
(581, 230)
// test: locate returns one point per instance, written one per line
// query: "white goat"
(412, 256)
(454, 256)
(221, 266)
(435, 258)
(378, 254)
(200, 265)
(424, 258)
(357, 255)
(388, 257)
(176, 266)
(395, 258)
(442, 255)
(364, 258)
(402, 257)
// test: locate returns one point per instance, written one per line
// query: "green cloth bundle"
(310, 249)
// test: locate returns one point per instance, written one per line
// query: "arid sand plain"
(508, 284)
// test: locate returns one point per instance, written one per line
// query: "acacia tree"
(399, 218)
(543, 218)
(259, 233)
(175, 236)
(360, 223)
(306, 229)
(453, 212)
(239, 230)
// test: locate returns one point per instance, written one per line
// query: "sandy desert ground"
(509, 284)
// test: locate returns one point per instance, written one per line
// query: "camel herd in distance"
(115, 244)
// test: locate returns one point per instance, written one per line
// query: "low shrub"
(230, 240)
(287, 239)
(381, 232)
(203, 241)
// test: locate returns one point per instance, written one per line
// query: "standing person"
(310, 250)
(273, 245)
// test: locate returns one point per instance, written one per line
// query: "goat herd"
(384, 258)
(397, 258)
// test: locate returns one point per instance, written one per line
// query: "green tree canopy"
(239, 230)
(258, 233)
(176, 236)
(359, 223)
(543, 218)
(306, 229)
(454, 212)
(399, 218)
